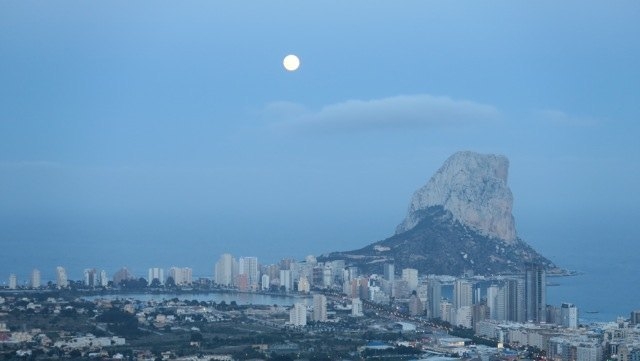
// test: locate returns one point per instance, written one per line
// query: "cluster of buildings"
(94, 278)
(474, 299)
(35, 281)
(299, 312)
(180, 276)
(518, 299)
(39, 339)
(510, 309)
(616, 340)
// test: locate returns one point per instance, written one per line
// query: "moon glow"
(291, 62)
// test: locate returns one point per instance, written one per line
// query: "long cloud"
(402, 111)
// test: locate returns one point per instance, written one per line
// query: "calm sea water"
(599, 296)
(603, 247)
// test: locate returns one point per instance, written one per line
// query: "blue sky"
(160, 133)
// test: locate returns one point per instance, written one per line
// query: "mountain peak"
(473, 187)
(460, 220)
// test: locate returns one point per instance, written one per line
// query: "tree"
(280, 357)
(322, 356)
(196, 337)
(69, 312)
(134, 284)
(120, 322)
(247, 353)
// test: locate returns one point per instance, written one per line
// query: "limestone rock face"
(459, 221)
(473, 187)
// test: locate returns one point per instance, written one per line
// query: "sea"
(603, 250)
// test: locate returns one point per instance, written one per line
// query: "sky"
(166, 133)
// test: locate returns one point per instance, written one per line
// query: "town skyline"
(289, 276)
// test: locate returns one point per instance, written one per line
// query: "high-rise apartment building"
(356, 307)
(535, 292)
(501, 303)
(35, 279)
(416, 307)
(327, 276)
(104, 279)
(298, 314)
(337, 267)
(273, 271)
(480, 312)
(286, 280)
(61, 277)
(249, 266)
(492, 301)
(388, 283)
(516, 309)
(13, 281)
(242, 282)
(462, 294)
(122, 274)
(224, 270)
(434, 296)
(319, 308)
(317, 276)
(445, 311)
(91, 277)
(350, 273)
(410, 275)
(389, 272)
(303, 285)
(363, 288)
(264, 282)
(181, 275)
(569, 315)
(462, 316)
(156, 273)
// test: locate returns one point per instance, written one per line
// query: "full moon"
(291, 62)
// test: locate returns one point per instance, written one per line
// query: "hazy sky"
(160, 133)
